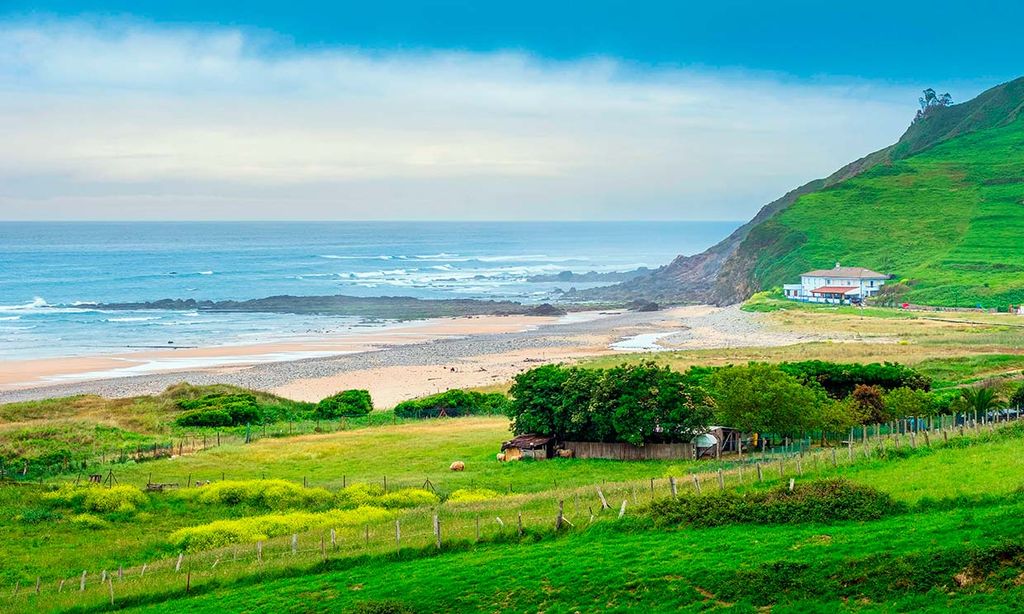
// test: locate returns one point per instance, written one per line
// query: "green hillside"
(941, 209)
(948, 220)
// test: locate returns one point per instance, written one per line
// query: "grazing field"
(954, 544)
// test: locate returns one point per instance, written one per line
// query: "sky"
(464, 110)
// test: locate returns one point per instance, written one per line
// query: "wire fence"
(453, 525)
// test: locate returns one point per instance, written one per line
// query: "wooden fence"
(627, 451)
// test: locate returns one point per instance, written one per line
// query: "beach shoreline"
(396, 363)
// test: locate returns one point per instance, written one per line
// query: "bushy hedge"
(840, 379)
(636, 404)
(821, 501)
(260, 528)
(350, 403)
(96, 498)
(270, 494)
(454, 403)
(220, 410)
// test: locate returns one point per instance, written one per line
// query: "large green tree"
(763, 398)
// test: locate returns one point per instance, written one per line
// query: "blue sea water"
(46, 269)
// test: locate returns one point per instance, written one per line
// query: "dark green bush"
(220, 410)
(821, 501)
(839, 379)
(454, 403)
(205, 417)
(350, 403)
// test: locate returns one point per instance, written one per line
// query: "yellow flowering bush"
(371, 494)
(88, 521)
(472, 495)
(95, 498)
(272, 494)
(258, 528)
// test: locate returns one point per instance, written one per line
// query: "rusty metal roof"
(528, 441)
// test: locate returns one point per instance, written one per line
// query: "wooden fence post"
(835, 461)
(558, 518)
(721, 480)
(334, 539)
(760, 476)
(81, 584)
(792, 483)
(398, 538)
(604, 502)
(177, 566)
(295, 543)
(672, 486)
(622, 510)
(437, 531)
(259, 552)
(696, 483)
(519, 525)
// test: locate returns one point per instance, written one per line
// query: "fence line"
(576, 509)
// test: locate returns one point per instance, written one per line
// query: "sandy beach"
(395, 363)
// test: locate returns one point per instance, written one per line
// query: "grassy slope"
(949, 219)
(898, 563)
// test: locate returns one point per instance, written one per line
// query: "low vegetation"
(821, 501)
(452, 404)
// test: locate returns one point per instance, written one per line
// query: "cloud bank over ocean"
(129, 120)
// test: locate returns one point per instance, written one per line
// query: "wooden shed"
(530, 445)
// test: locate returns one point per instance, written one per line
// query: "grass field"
(965, 521)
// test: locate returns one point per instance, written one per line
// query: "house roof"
(528, 441)
(847, 272)
(836, 290)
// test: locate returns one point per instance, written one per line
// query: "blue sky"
(464, 110)
(938, 40)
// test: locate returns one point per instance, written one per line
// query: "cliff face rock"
(727, 272)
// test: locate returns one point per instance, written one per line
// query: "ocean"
(46, 269)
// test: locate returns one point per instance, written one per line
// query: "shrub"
(270, 494)
(1017, 398)
(472, 495)
(95, 498)
(350, 403)
(205, 417)
(821, 501)
(372, 495)
(220, 409)
(259, 528)
(88, 521)
(453, 403)
(840, 379)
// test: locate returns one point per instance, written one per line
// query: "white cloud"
(121, 120)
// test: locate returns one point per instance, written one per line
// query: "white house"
(838, 285)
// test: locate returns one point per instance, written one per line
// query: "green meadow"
(951, 542)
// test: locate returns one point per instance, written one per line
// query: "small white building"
(838, 285)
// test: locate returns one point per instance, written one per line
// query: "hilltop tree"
(929, 101)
